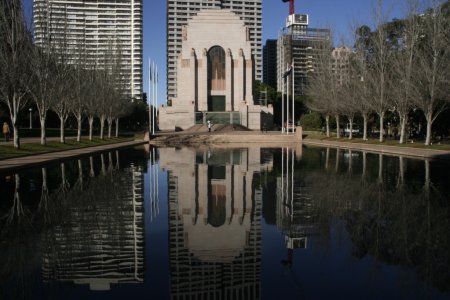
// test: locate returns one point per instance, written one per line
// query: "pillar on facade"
(203, 82)
(248, 81)
(229, 81)
(239, 81)
(192, 70)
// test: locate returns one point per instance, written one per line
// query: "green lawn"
(374, 141)
(8, 151)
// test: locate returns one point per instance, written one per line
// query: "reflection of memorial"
(215, 222)
(101, 240)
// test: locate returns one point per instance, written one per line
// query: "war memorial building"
(215, 75)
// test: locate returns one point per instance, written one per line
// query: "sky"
(339, 15)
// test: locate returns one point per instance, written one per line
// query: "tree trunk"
(79, 125)
(403, 118)
(16, 136)
(381, 126)
(102, 127)
(62, 139)
(350, 134)
(91, 125)
(429, 118)
(43, 134)
(117, 127)
(365, 118)
(338, 127)
(109, 127)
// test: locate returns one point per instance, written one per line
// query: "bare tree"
(359, 70)
(61, 107)
(77, 105)
(324, 87)
(91, 104)
(433, 65)
(406, 34)
(80, 88)
(379, 76)
(15, 50)
(43, 87)
(350, 100)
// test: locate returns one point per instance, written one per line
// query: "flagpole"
(282, 106)
(293, 93)
(153, 97)
(287, 103)
(156, 94)
(149, 98)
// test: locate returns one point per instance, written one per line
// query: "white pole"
(153, 97)
(156, 97)
(287, 103)
(292, 181)
(293, 93)
(149, 98)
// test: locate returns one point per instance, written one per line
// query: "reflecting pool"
(227, 223)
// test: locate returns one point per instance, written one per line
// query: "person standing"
(6, 131)
(209, 125)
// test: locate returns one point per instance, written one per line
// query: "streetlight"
(30, 110)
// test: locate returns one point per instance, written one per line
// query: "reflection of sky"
(156, 277)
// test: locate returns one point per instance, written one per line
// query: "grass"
(316, 135)
(8, 151)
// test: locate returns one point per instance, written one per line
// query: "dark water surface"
(214, 223)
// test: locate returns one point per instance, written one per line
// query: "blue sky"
(338, 15)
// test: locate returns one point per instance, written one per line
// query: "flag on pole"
(288, 72)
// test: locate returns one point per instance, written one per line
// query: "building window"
(216, 68)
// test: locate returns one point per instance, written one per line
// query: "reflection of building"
(215, 73)
(180, 12)
(296, 215)
(298, 45)
(91, 29)
(215, 223)
(101, 240)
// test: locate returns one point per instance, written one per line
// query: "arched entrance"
(216, 79)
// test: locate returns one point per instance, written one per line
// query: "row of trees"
(401, 66)
(59, 77)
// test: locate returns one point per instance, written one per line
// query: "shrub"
(312, 121)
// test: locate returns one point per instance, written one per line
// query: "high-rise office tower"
(298, 46)
(180, 12)
(270, 63)
(94, 28)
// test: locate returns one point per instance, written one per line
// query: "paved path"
(32, 160)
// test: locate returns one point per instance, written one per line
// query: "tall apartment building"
(95, 27)
(341, 60)
(270, 63)
(180, 12)
(298, 45)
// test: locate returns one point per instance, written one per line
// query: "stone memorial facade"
(215, 76)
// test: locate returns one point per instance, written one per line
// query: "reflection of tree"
(16, 213)
(386, 215)
(44, 207)
(18, 253)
